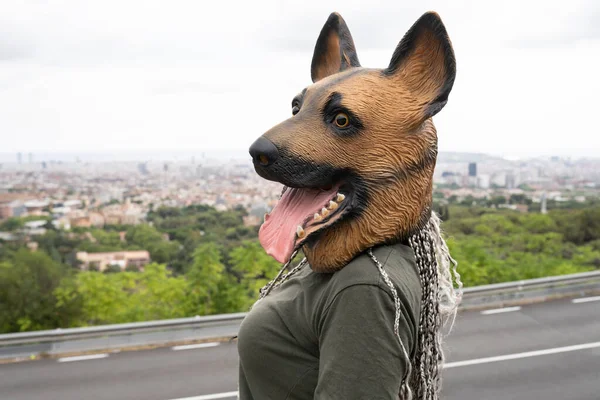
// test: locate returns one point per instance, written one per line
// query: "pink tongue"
(278, 233)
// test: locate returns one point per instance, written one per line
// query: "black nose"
(263, 152)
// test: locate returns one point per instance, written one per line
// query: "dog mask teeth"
(324, 212)
(332, 205)
(300, 232)
(318, 217)
(340, 197)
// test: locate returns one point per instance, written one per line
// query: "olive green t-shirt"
(331, 335)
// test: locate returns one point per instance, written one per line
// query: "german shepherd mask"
(357, 156)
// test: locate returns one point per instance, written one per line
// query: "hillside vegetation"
(211, 263)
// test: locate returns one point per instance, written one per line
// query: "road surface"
(547, 351)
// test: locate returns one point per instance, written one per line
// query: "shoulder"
(359, 290)
(397, 260)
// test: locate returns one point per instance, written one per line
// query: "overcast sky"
(149, 75)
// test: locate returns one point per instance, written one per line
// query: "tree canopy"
(207, 262)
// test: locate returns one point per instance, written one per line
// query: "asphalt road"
(556, 370)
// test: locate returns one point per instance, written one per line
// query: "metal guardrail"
(530, 283)
(531, 290)
(121, 329)
(162, 332)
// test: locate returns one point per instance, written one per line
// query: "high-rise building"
(544, 208)
(483, 181)
(30, 157)
(472, 169)
(511, 182)
(19, 158)
(143, 168)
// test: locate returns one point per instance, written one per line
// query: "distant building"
(80, 222)
(73, 204)
(85, 219)
(62, 223)
(544, 207)
(40, 223)
(97, 220)
(126, 214)
(35, 228)
(123, 259)
(517, 207)
(451, 178)
(36, 207)
(498, 179)
(14, 208)
(252, 220)
(19, 158)
(511, 181)
(483, 181)
(472, 169)
(7, 237)
(143, 168)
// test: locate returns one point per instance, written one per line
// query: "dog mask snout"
(263, 152)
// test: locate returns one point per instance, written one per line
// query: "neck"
(383, 223)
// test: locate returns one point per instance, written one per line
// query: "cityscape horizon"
(222, 154)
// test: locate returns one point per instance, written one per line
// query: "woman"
(360, 317)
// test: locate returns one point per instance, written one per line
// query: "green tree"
(160, 295)
(497, 200)
(149, 238)
(538, 223)
(103, 297)
(143, 235)
(112, 269)
(255, 269)
(27, 285)
(126, 297)
(12, 224)
(204, 277)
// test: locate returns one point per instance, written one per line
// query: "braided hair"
(439, 302)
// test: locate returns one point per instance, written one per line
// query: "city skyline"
(198, 156)
(77, 77)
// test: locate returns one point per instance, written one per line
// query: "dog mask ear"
(424, 62)
(334, 51)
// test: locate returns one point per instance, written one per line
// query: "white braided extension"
(439, 302)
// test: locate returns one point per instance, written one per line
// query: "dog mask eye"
(295, 110)
(341, 120)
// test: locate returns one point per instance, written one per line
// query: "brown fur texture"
(335, 49)
(394, 152)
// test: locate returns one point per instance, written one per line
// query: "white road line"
(500, 310)
(522, 355)
(82, 358)
(195, 346)
(585, 299)
(211, 396)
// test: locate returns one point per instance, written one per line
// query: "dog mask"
(358, 154)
